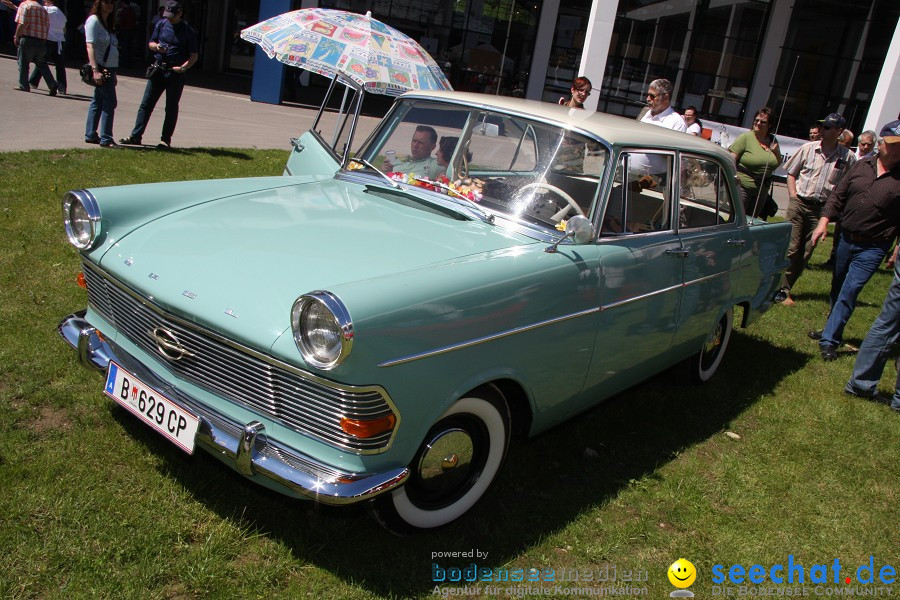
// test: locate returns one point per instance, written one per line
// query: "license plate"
(154, 409)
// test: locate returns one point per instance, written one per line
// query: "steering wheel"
(570, 202)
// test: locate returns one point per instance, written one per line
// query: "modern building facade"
(802, 58)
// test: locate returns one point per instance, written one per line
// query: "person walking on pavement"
(175, 49)
(867, 201)
(103, 55)
(32, 27)
(876, 348)
(812, 172)
(56, 36)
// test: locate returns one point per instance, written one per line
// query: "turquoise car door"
(713, 245)
(640, 275)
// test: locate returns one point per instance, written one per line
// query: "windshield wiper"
(461, 200)
(363, 161)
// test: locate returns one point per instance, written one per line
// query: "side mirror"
(578, 228)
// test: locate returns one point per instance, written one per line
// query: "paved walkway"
(207, 118)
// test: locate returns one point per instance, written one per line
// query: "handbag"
(86, 71)
(153, 69)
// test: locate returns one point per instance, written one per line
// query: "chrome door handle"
(736, 243)
(679, 252)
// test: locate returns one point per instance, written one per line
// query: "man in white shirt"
(661, 114)
(420, 161)
(55, 38)
(659, 99)
(866, 147)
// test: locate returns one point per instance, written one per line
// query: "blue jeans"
(101, 111)
(33, 50)
(873, 354)
(172, 84)
(855, 265)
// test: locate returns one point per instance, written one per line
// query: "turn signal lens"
(81, 281)
(368, 428)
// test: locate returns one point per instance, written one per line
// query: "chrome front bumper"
(245, 447)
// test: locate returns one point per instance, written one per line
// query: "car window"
(704, 198)
(531, 171)
(641, 197)
(334, 125)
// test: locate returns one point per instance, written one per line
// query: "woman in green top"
(757, 156)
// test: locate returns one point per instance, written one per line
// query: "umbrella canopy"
(324, 41)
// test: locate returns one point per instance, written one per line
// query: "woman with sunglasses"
(757, 156)
(581, 89)
(103, 54)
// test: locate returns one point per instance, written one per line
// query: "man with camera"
(175, 50)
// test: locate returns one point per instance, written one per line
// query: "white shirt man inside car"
(420, 161)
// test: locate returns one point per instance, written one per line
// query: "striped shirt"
(33, 20)
(817, 174)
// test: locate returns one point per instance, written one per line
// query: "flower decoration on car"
(468, 188)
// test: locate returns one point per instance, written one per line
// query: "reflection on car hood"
(237, 264)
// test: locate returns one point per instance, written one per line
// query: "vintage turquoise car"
(375, 324)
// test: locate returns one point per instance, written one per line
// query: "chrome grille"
(304, 403)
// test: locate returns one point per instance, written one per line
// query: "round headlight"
(81, 216)
(322, 329)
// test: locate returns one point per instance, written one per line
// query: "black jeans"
(172, 84)
(56, 57)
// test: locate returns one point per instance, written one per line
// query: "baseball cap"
(834, 120)
(172, 8)
(890, 133)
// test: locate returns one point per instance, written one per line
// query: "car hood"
(237, 264)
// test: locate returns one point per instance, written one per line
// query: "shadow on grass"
(546, 483)
(212, 152)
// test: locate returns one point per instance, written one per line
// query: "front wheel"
(706, 362)
(454, 466)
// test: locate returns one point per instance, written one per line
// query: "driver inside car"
(420, 162)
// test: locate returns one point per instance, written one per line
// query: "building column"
(767, 63)
(543, 43)
(268, 73)
(883, 108)
(596, 47)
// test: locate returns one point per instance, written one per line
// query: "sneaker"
(91, 140)
(874, 397)
(131, 141)
(164, 145)
(53, 91)
(19, 88)
(815, 335)
(62, 91)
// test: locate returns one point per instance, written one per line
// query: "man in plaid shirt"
(32, 27)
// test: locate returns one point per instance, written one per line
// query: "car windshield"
(527, 170)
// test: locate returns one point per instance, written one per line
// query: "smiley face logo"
(682, 573)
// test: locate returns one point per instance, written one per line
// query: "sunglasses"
(653, 96)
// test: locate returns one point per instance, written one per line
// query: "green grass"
(94, 504)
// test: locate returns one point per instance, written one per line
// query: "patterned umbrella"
(325, 41)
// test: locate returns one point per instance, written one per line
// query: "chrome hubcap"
(446, 461)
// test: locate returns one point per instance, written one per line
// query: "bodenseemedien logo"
(682, 574)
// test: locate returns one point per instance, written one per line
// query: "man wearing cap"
(867, 201)
(812, 172)
(174, 47)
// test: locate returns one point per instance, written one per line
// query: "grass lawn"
(94, 504)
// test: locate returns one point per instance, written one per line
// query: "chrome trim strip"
(487, 338)
(708, 277)
(245, 447)
(618, 303)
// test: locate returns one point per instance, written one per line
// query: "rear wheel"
(706, 362)
(454, 466)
